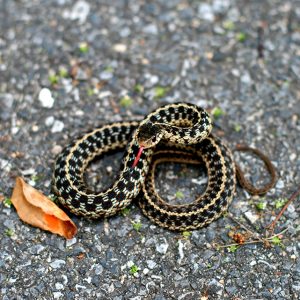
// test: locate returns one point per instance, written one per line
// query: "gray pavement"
(115, 60)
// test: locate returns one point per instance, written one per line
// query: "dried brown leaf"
(37, 210)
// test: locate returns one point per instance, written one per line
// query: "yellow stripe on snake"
(179, 132)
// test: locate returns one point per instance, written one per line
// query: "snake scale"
(179, 132)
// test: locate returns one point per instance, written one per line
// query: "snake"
(179, 132)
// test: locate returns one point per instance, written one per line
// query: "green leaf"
(126, 101)
(133, 269)
(139, 88)
(217, 112)
(228, 25)
(276, 240)
(90, 92)
(125, 211)
(83, 47)
(179, 195)
(7, 202)
(261, 205)
(35, 177)
(9, 232)
(241, 37)
(63, 73)
(160, 92)
(137, 226)
(280, 202)
(53, 79)
(186, 234)
(237, 127)
(53, 197)
(232, 248)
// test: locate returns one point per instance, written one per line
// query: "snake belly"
(183, 124)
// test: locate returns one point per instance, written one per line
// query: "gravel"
(66, 65)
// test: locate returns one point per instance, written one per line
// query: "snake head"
(148, 136)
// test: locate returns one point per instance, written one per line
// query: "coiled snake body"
(178, 132)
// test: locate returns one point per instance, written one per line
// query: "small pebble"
(49, 121)
(80, 11)
(56, 264)
(121, 48)
(46, 98)
(251, 217)
(58, 126)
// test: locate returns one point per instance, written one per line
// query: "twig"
(271, 226)
(255, 234)
(259, 240)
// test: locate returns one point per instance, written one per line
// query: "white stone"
(205, 12)
(246, 78)
(163, 247)
(56, 149)
(71, 242)
(57, 263)
(280, 184)
(59, 286)
(125, 32)
(235, 72)
(180, 251)
(49, 121)
(146, 271)
(121, 48)
(104, 94)
(251, 216)
(151, 264)
(80, 11)
(57, 295)
(150, 29)
(28, 172)
(58, 126)
(46, 98)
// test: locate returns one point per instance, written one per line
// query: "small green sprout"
(7, 202)
(63, 73)
(179, 195)
(241, 37)
(137, 225)
(133, 269)
(83, 47)
(237, 127)
(280, 202)
(228, 25)
(138, 88)
(9, 232)
(186, 234)
(53, 78)
(126, 101)
(209, 266)
(35, 177)
(109, 69)
(160, 92)
(232, 248)
(276, 240)
(90, 92)
(53, 197)
(217, 112)
(261, 205)
(125, 211)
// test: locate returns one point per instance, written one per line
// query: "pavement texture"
(101, 61)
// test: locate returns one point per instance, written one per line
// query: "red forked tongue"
(137, 158)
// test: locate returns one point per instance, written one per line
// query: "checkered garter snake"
(179, 132)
